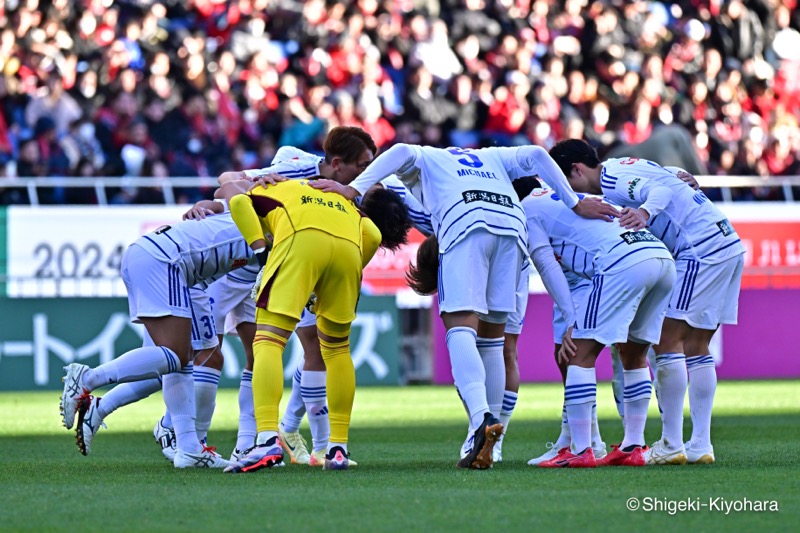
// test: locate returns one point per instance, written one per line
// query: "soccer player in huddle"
(478, 222)
(709, 261)
(320, 245)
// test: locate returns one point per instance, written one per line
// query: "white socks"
(580, 393)
(295, 409)
(596, 438)
(247, 418)
(670, 386)
(127, 393)
(509, 403)
(636, 398)
(702, 386)
(618, 383)
(313, 390)
(179, 397)
(148, 362)
(565, 439)
(491, 351)
(468, 372)
(206, 382)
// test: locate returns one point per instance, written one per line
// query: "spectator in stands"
(200, 86)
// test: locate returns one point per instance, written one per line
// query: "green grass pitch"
(406, 441)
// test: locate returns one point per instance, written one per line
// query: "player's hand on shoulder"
(635, 219)
(689, 179)
(595, 208)
(326, 185)
(267, 179)
(197, 213)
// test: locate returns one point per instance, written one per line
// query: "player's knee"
(275, 320)
(332, 330)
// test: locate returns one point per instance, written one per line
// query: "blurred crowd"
(195, 87)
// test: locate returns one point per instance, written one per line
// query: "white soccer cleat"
(497, 451)
(466, 448)
(699, 456)
(89, 422)
(551, 453)
(237, 454)
(295, 445)
(74, 392)
(165, 437)
(599, 449)
(207, 458)
(660, 453)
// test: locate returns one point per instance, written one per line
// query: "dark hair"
(389, 213)
(568, 152)
(525, 185)
(348, 142)
(423, 278)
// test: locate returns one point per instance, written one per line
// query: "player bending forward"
(709, 261)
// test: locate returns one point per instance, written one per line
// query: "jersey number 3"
(471, 160)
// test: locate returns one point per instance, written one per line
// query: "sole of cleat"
(707, 459)
(270, 461)
(483, 460)
(82, 410)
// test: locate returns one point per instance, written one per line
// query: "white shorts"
(480, 274)
(307, 319)
(155, 288)
(231, 304)
(706, 296)
(627, 305)
(579, 294)
(517, 318)
(204, 331)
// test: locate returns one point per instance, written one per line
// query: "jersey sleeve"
(370, 240)
(638, 191)
(537, 236)
(245, 217)
(535, 161)
(290, 169)
(398, 159)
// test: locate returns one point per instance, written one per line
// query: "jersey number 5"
(471, 160)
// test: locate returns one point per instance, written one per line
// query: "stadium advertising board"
(76, 251)
(758, 347)
(39, 336)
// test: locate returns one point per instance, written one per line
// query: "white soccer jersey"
(584, 246)
(690, 225)
(420, 217)
(205, 249)
(291, 163)
(465, 190)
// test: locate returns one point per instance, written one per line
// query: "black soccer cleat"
(485, 437)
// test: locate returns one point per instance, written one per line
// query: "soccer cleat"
(336, 459)
(552, 452)
(480, 456)
(567, 459)
(295, 445)
(89, 422)
(318, 459)
(73, 393)
(699, 456)
(237, 454)
(207, 458)
(165, 437)
(619, 458)
(259, 457)
(599, 449)
(660, 454)
(497, 451)
(467, 446)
